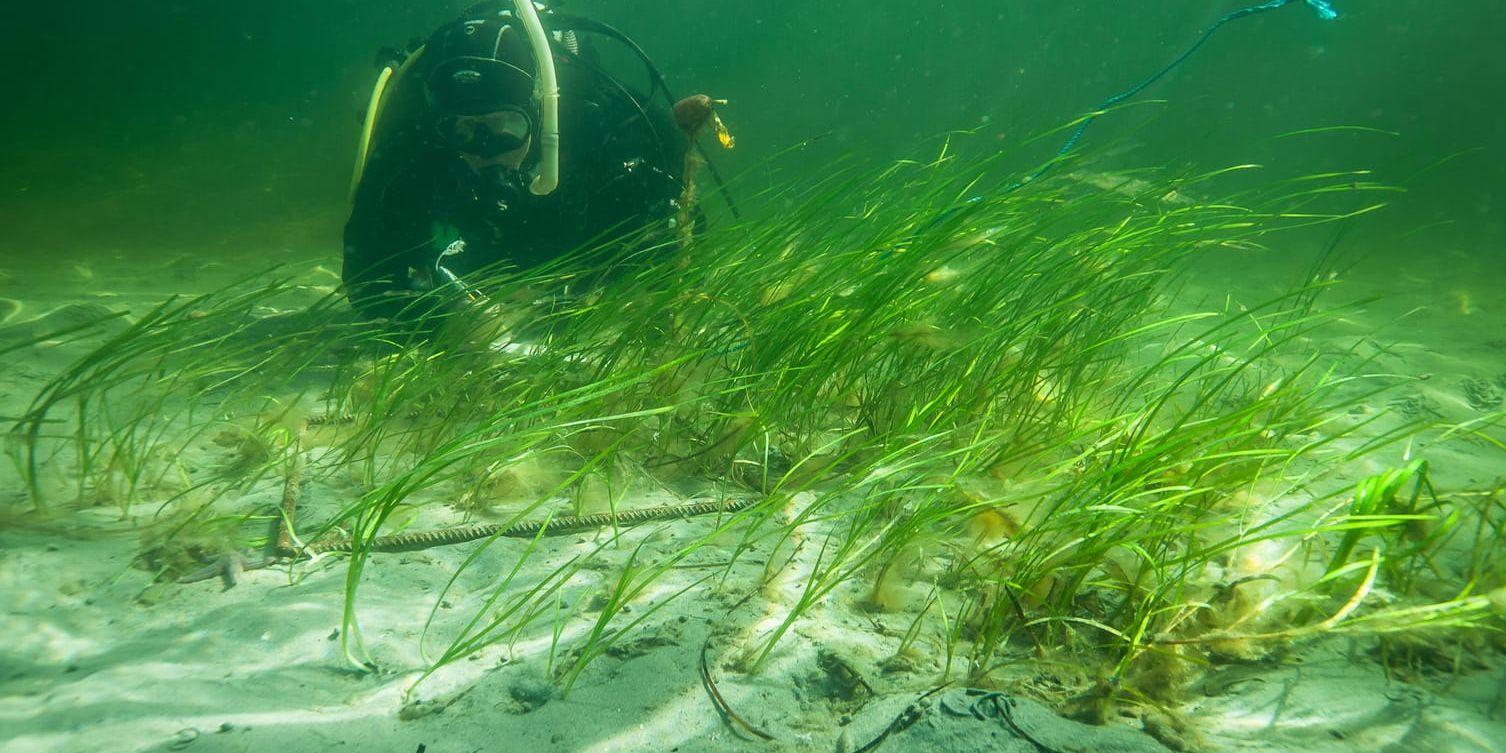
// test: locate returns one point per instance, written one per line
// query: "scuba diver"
(466, 141)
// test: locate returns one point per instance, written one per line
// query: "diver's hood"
(484, 65)
(475, 86)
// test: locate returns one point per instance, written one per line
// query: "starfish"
(228, 568)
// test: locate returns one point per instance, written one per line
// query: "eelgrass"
(934, 378)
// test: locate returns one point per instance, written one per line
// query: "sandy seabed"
(96, 657)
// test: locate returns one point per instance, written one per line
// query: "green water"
(228, 129)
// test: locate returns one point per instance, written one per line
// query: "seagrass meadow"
(940, 441)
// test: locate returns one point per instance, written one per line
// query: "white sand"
(96, 658)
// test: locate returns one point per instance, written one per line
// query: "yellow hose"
(373, 108)
(367, 126)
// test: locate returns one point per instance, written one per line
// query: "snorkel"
(547, 92)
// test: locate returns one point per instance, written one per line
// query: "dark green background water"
(227, 129)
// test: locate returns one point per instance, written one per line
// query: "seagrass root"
(551, 527)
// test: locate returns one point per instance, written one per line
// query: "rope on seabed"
(550, 527)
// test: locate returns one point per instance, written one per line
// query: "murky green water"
(229, 128)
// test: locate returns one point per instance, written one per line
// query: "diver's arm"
(383, 239)
(638, 193)
(643, 173)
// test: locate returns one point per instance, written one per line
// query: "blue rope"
(1324, 10)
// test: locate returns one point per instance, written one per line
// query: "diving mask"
(487, 135)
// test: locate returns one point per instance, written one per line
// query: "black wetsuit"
(621, 160)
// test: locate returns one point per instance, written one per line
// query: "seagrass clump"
(966, 406)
